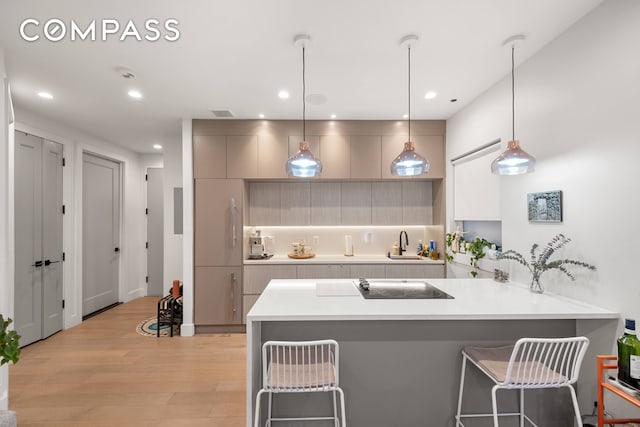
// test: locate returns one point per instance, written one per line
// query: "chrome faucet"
(406, 242)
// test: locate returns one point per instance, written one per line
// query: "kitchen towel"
(348, 245)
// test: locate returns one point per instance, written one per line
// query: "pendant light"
(514, 160)
(409, 162)
(303, 164)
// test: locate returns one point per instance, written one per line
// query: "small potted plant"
(540, 261)
(9, 352)
(9, 343)
(476, 249)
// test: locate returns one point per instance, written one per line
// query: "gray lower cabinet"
(218, 296)
(370, 271)
(257, 277)
(415, 271)
(324, 271)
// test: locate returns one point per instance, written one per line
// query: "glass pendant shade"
(409, 163)
(303, 164)
(513, 161)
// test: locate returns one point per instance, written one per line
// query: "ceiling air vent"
(223, 114)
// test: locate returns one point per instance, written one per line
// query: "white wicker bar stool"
(300, 367)
(531, 363)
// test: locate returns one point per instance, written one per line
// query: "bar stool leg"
(494, 405)
(462, 372)
(521, 393)
(576, 409)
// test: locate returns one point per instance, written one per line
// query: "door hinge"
(146, 279)
(63, 256)
(146, 211)
(64, 162)
(63, 304)
(63, 209)
(146, 177)
(146, 245)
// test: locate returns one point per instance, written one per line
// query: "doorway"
(100, 233)
(38, 237)
(155, 232)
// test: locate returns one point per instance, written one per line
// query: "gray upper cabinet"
(273, 153)
(365, 152)
(341, 203)
(325, 203)
(210, 157)
(356, 203)
(386, 203)
(334, 155)
(417, 202)
(295, 203)
(242, 156)
(264, 203)
(218, 222)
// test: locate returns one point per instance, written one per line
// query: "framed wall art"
(545, 206)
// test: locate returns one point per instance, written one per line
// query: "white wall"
(132, 265)
(578, 113)
(172, 158)
(6, 221)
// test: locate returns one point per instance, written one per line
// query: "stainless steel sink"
(400, 289)
(405, 257)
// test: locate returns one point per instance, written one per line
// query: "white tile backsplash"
(330, 240)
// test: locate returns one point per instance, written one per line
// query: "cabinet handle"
(234, 237)
(233, 296)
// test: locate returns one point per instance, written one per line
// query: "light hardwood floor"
(103, 373)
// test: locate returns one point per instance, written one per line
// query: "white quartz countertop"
(474, 299)
(341, 259)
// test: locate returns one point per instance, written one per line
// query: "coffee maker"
(256, 247)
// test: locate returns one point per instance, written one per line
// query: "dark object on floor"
(170, 314)
(102, 310)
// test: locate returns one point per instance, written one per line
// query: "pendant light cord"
(513, 96)
(409, 89)
(304, 104)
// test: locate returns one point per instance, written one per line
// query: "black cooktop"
(400, 289)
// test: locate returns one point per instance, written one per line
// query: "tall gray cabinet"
(218, 252)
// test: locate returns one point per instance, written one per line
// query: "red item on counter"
(175, 292)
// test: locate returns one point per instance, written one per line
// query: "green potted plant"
(540, 261)
(476, 249)
(9, 352)
(9, 343)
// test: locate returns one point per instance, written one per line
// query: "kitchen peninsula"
(400, 359)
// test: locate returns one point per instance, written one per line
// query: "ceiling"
(238, 55)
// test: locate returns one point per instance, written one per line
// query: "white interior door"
(100, 233)
(51, 238)
(38, 237)
(155, 233)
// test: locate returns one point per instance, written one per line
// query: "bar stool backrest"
(545, 362)
(300, 366)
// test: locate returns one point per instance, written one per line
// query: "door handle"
(234, 238)
(233, 296)
(49, 262)
(116, 250)
(37, 264)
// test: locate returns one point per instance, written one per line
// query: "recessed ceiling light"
(45, 95)
(261, 116)
(283, 94)
(405, 116)
(135, 94)
(157, 146)
(333, 116)
(430, 95)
